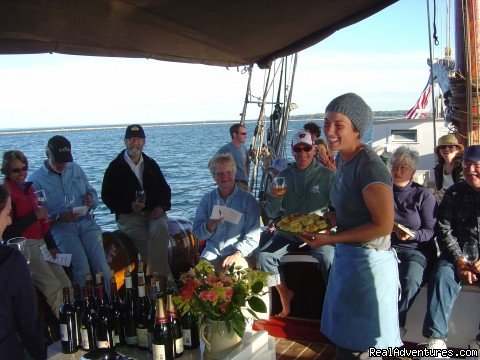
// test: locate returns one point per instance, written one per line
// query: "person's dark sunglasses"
(305, 148)
(18, 170)
(242, 133)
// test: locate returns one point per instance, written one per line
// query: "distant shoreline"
(120, 126)
(306, 117)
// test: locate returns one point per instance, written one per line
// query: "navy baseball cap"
(134, 131)
(472, 153)
(60, 148)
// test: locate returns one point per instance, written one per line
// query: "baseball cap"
(134, 131)
(302, 137)
(472, 153)
(279, 164)
(60, 148)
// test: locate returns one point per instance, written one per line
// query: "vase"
(219, 342)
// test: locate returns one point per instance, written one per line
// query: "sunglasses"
(447, 146)
(18, 170)
(242, 133)
(305, 148)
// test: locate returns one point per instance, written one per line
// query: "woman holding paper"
(31, 222)
(412, 236)
(227, 218)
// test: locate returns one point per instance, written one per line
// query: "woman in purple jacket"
(412, 236)
(20, 326)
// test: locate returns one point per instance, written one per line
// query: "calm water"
(182, 151)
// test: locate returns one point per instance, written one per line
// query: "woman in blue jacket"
(20, 326)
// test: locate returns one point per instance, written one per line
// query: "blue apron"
(361, 303)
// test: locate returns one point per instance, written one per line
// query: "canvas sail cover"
(213, 32)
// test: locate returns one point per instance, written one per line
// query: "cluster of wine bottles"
(145, 317)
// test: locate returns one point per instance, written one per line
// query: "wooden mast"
(467, 49)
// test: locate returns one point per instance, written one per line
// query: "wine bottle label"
(85, 343)
(141, 291)
(159, 352)
(128, 282)
(187, 337)
(103, 344)
(63, 332)
(142, 337)
(131, 340)
(179, 345)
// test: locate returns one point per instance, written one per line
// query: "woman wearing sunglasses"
(449, 164)
(20, 325)
(31, 222)
(360, 308)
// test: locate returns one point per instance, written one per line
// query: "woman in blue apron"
(361, 303)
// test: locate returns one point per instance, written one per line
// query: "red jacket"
(24, 220)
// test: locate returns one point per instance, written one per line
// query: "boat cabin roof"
(212, 32)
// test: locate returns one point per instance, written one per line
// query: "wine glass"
(20, 243)
(140, 196)
(280, 187)
(41, 199)
(470, 252)
(69, 203)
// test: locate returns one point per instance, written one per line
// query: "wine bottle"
(77, 306)
(162, 343)
(105, 327)
(68, 333)
(129, 311)
(141, 322)
(140, 272)
(91, 290)
(116, 310)
(174, 319)
(88, 322)
(191, 337)
(152, 294)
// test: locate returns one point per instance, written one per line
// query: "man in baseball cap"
(456, 231)
(75, 231)
(308, 190)
(142, 218)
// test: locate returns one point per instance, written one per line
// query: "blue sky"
(382, 58)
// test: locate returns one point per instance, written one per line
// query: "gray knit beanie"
(354, 108)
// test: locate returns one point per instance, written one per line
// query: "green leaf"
(257, 287)
(257, 304)
(253, 313)
(239, 324)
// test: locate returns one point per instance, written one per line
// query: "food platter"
(297, 224)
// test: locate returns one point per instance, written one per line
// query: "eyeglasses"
(224, 173)
(305, 148)
(466, 165)
(242, 133)
(19, 170)
(447, 146)
(402, 168)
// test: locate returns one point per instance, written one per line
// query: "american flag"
(419, 107)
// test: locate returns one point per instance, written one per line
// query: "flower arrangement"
(222, 297)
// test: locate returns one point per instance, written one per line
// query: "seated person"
(308, 187)
(227, 243)
(456, 227)
(415, 208)
(324, 155)
(29, 221)
(20, 325)
(75, 234)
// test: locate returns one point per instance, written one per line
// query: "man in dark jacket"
(142, 217)
(457, 231)
(20, 326)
